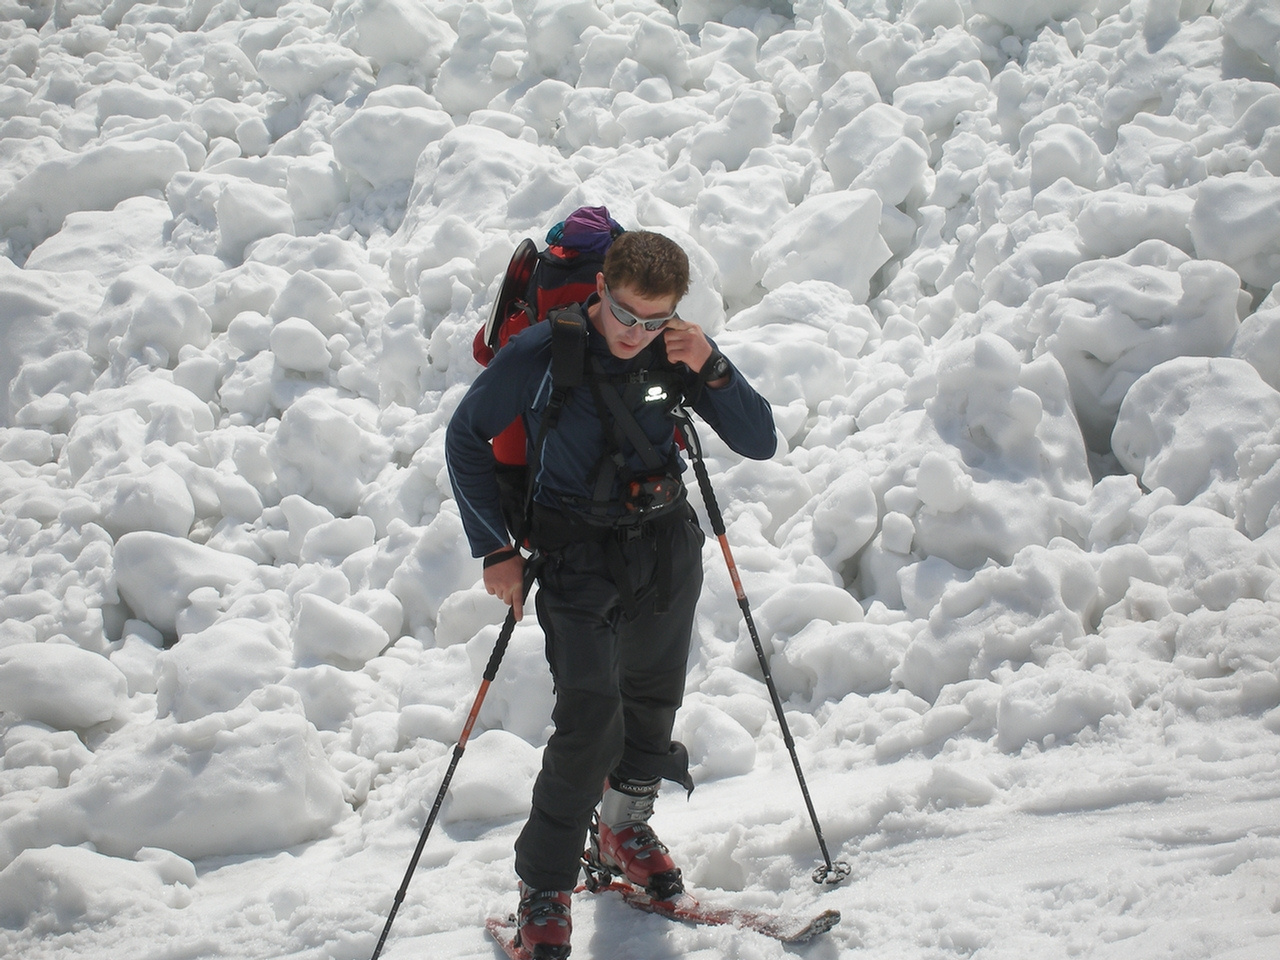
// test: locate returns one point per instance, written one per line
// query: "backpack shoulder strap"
(568, 346)
(568, 363)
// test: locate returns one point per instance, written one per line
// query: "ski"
(504, 930)
(786, 927)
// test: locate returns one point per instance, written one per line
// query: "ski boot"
(544, 924)
(623, 843)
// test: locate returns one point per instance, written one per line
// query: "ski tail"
(779, 925)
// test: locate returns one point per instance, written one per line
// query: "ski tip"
(821, 924)
(503, 930)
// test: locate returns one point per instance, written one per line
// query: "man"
(619, 561)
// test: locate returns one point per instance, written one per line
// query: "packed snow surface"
(1006, 270)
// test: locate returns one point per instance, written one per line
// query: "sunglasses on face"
(629, 319)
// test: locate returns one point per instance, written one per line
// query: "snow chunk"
(143, 498)
(172, 414)
(298, 345)
(1044, 601)
(29, 746)
(1258, 340)
(146, 314)
(793, 607)
(252, 286)
(97, 178)
(941, 484)
(156, 574)
(316, 187)
(1111, 321)
(63, 373)
(818, 304)
(1112, 223)
(382, 143)
(106, 244)
(1027, 16)
(1255, 26)
(833, 237)
(484, 60)
(327, 450)
(59, 888)
(215, 669)
(473, 179)
(789, 364)
(734, 216)
(1258, 501)
(401, 31)
(495, 782)
(306, 296)
(852, 93)
(1056, 703)
(60, 685)
(332, 541)
(825, 663)
(939, 102)
(883, 149)
(719, 746)
(554, 32)
(845, 517)
(337, 634)
(306, 67)
(136, 654)
(436, 568)
(1242, 638)
(1059, 151)
(247, 212)
(745, 122)
(521, 699)
(1182, 424)
(1236, 219)
(213, 787)
(1007, 427)
(463, 614)
(99, 444)
(332, 696)
(1203, 561)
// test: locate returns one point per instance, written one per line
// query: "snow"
(1007, 272)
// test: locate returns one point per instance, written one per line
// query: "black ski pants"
(618, 680)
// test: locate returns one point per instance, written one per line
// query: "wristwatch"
(716, 368)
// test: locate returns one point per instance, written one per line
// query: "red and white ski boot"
(544, 923)
(623, 843)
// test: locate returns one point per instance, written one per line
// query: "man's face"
(625, 341)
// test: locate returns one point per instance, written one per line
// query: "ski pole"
(829, 872)
(490, 672)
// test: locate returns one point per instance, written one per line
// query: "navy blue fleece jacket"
(518, 384)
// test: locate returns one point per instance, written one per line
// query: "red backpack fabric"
(537, 282)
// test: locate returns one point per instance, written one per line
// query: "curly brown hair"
(648, 263)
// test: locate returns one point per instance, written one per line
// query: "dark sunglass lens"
(629, 319)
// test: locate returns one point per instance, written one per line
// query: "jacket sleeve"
(740, 416)
(499, 395)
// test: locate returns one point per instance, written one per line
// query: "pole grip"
(509, 625)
